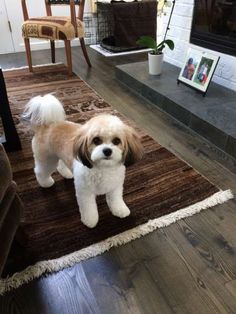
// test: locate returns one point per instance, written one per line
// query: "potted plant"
(155, 56)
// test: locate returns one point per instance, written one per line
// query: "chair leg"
(68, 56)
(85, 51)
(28, 53)
(52, 43)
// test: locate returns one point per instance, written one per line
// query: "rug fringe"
(35, 66)
(45, 267)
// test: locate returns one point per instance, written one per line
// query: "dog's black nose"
(107, 152)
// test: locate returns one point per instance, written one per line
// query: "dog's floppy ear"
(80, 150)
(133, 148)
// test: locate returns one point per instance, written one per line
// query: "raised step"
(212, 116)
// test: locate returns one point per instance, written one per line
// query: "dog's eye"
(97, 140)
(116, 141)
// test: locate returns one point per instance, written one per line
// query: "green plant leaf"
(147, 41)
(170, 44)
(167, 42)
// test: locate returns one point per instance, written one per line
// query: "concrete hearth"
(213, 116)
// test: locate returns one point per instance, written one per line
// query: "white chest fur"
(98, 180)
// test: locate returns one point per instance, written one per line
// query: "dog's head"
(106, 141)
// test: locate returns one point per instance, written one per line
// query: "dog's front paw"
(90, 220)
(120, 210)
(46, 183)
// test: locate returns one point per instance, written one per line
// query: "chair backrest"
(53, 2)
(72, 4)
(48, 4)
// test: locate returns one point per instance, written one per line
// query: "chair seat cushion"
(52, 27)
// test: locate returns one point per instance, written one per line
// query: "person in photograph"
(189, 69)
(202, 73)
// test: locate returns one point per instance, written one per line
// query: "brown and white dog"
(95, 154)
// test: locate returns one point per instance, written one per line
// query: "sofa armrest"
(5, 173)
(9, 228)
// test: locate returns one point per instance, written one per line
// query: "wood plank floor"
(188, 267)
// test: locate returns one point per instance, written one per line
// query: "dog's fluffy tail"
(44, 110)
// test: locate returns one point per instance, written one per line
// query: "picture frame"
(198, 69)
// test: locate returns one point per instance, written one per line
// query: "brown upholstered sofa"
(11, 208)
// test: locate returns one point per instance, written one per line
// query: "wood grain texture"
(54, 297)
(175, 263)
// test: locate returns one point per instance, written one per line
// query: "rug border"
(54, 265)
(34, 66)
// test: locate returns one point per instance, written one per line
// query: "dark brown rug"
(160, 184)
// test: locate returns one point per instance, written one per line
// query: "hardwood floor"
(187, 267)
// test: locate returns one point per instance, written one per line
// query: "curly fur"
(95, 154)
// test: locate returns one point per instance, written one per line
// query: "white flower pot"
(155, 63)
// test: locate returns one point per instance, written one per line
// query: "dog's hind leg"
(43, 171)
(64, 170)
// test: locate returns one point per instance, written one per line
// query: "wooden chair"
(54, 28)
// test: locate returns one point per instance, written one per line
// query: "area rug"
(159, 190)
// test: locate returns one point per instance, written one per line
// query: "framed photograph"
(198, 69)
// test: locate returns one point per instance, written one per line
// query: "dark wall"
(214, 25)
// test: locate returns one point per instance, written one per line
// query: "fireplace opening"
(214, 25)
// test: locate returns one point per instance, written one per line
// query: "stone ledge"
(213, 116)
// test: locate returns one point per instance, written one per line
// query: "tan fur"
(133, 149)
(81, 148)
(57, 139)
(68, 140)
